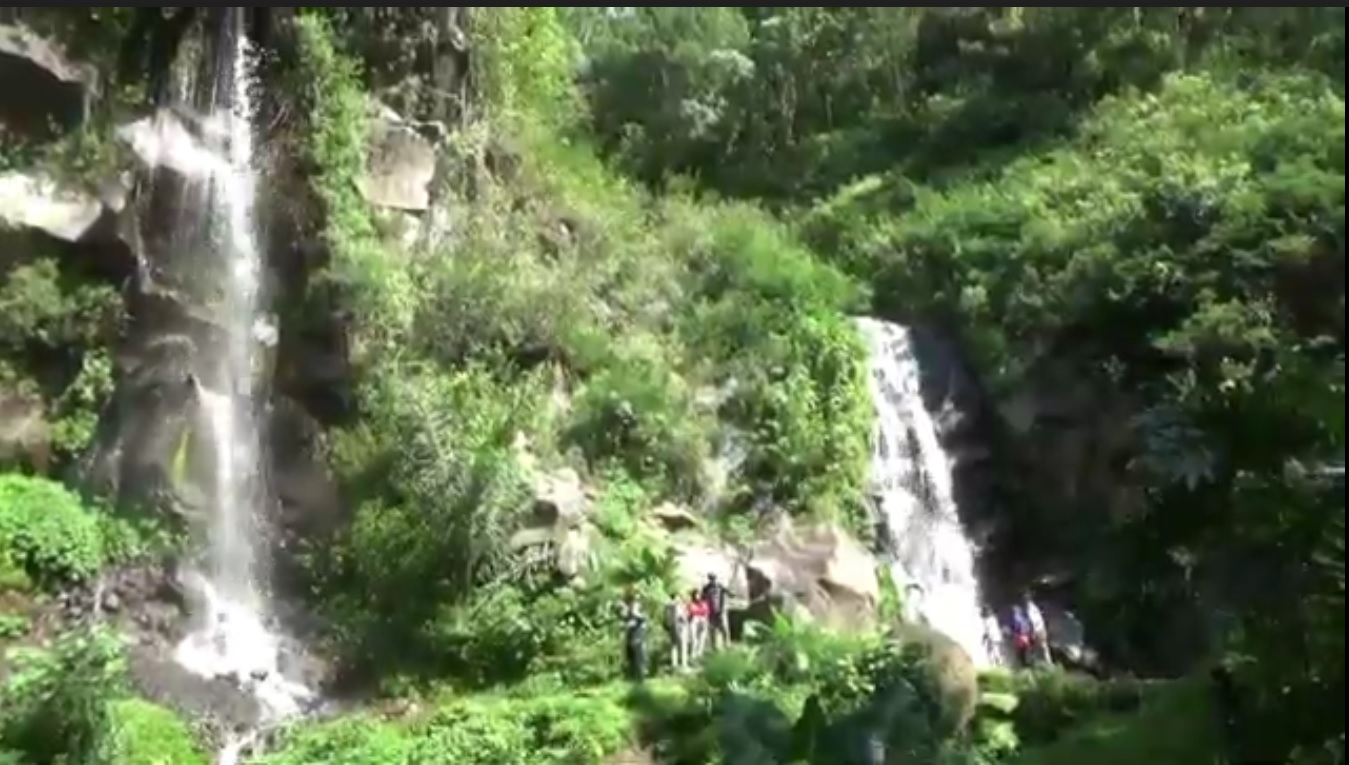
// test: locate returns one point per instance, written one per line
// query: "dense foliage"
(660, 221)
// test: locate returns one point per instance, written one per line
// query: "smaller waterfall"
(933, 561)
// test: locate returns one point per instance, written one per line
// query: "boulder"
(45, 92)
(400, 165)
(566, 551)
(37, 201)
(557, 534)
(560, 499)
(696, 557)
(675, 518)
(173, 140)
(822, 568)
(956, 676)
(39, 215)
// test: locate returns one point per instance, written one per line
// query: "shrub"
(53, 703)
(140, 733)
(1049, 703)
(559, 728)
(47, 531)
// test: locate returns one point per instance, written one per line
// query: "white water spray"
(912, 476)
(233, 639)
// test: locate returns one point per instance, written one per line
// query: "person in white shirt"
(1039, 632)
(677, 628)
(993, 638)
(912, 604)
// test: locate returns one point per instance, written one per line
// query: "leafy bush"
(68, 320)
(13, 626)
(137, 732)
(12, 573)
(563, 727)
(443, 515)
(635, 415)
(772, 319)
(47, 530)
(53, 703)
(1047, 704)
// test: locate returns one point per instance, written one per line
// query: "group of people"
(692, 622)
(1024, 632)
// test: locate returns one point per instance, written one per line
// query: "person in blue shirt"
(1022, 638)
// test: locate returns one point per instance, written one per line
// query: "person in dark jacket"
(718, 621)
(634, 637)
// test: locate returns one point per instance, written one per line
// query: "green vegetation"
(46, 532)
(1174, 726)
(650, 228)
(55, 337)
(140, 733)
(643, 303)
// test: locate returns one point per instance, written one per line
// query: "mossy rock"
(952, 668)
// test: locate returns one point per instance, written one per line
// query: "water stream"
(235, 635)
(932, 559)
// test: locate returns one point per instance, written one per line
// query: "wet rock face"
(221, 704)
(144, 602)
(149, 606)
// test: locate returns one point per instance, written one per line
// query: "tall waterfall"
(233, 638)
(932, 558)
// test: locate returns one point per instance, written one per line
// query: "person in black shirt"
(634, 637)
(718, 622)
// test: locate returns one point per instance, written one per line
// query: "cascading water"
(932, 558)
(233, 638)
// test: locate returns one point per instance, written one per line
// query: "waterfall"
(932, 559)
(234, 637)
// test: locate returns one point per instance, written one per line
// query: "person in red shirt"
(698, 622)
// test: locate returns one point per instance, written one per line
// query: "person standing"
(1021, 635)
(677, 625)
(993, 638)
(1039, 632)
(698, 618)
(912, 604)
(634, 637)
(718, 621)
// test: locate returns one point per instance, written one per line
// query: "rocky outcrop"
(558, 532)
(36, 201)
(45, 92)
(401, 164)
(822, 569)
(818, 572)
(139, 231)
(953, 671)
(172, 140)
